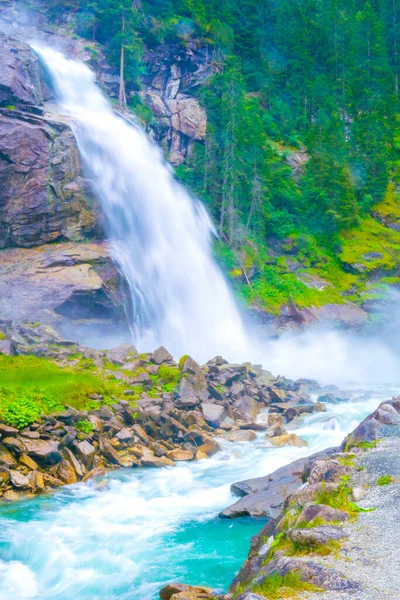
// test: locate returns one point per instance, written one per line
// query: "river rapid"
(125, 536)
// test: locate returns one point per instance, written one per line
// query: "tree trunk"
(122, 91)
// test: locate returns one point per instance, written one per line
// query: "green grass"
(278, 586)
(84, 426)
(31, 386)
(384, 480)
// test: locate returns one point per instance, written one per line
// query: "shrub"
(384, 480)
(85, 426)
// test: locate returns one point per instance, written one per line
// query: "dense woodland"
(290, 74)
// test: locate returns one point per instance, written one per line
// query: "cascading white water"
(160, 236)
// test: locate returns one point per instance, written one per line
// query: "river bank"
(69, 413)
(333, 534)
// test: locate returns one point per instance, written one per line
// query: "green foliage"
(85, 426)
(169, 374)
(32, 386)
(384, 480)
(278, 586)
(2, 335)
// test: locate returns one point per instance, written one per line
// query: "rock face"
(173, 72)
(43, 196)
(59, 280)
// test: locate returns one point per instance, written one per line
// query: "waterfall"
(160, 237)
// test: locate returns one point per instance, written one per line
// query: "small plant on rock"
(84, 426)
(384, 480)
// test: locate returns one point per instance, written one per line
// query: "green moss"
(31, 386)
(182, 361)
(2, 335)
(361, 445)
(384, 480)
(371, 236)
(278, 586)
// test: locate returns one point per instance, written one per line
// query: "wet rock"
(11, 496)
(209, 448)
(321, 511)
(317, 536)
(265, 496)
(156, 461)
(180, 455)
(288, 439)
(246, 408)
(171, 590)
(383, 422)
(6, 458)
(241, 436)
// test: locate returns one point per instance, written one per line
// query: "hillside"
(282, 118)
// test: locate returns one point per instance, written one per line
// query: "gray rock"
(43, 451)
(86, 453)
(317, 536)
(19, 480)
(309, 571)
(321, 511)
(213, 414)
(161, 355)
(121, 354)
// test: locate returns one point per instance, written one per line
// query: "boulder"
(161, 355)
(309, 571)
(66, 472)
(121, 354)
(156, 461)
(7, 431)
(288, 439)
(316, 536)
(78, 467)
(213, 414)
(180, 455)
(321, 511)
(109, 452)
(27, 461)
(86, 453)
(14, 444)
(172, 589)
(327, 470)
(36, 481)
(19, 480)
(266, 496)
(383, 422)
(59, 280)
(43, 451)
(241, 436)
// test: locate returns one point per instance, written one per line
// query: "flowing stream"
(124, 537)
